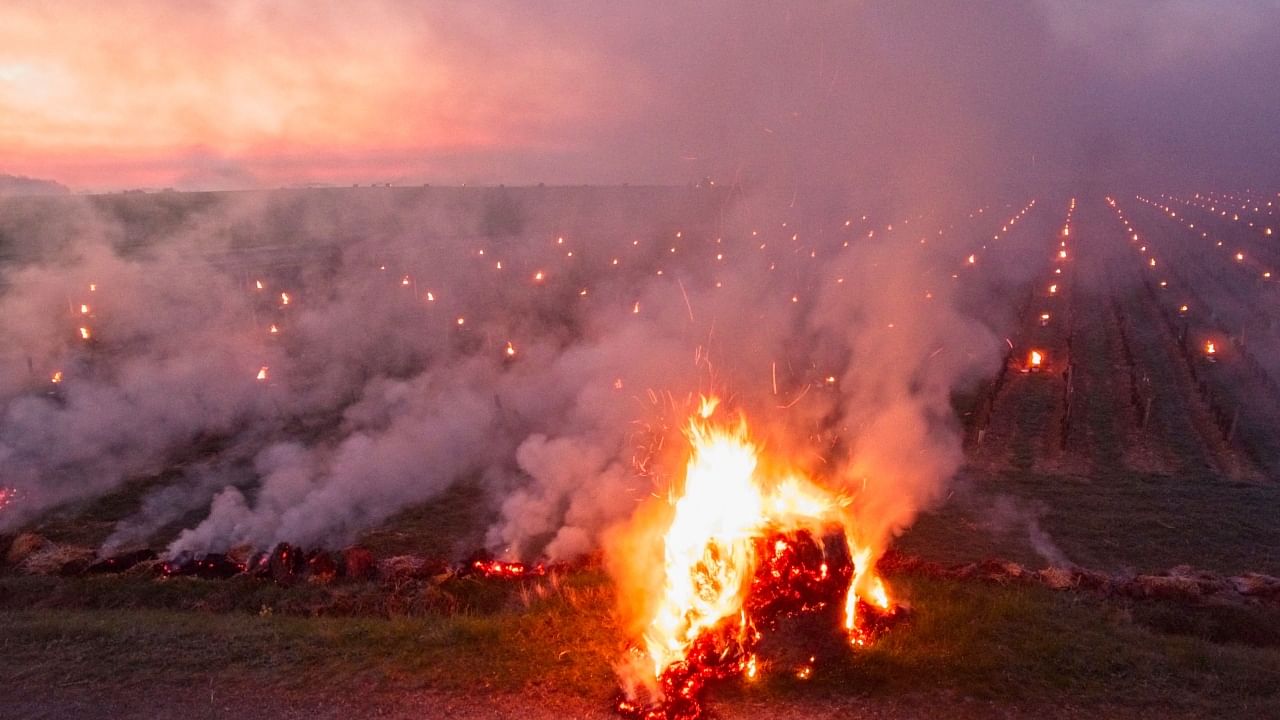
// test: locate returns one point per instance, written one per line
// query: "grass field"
(1016, 646)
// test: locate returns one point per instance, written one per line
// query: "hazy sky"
(221, 94)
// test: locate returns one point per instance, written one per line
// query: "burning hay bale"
(793, 609)
(286, 564)
(121, 562)
(321, 567)
(214, 566)
(358, 563)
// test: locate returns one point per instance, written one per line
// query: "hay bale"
(1056, 578)
(24, 546)
(1256, 585)
(358, 563)
(1167, 587)
(55, 559)
(321, 568)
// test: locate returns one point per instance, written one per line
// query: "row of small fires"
(286, 564)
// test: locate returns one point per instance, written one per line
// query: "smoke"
(545, 344)
(433, 338)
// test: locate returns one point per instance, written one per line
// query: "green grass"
(1114, 521)
(973, 640)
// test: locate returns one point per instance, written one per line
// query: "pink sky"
(241, 93)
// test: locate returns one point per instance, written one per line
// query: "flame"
(57, 377)
(84, 333)
(84, 309)
(1035, 359)
(734, 514)
(258, 284)
(262, 373)
(1210, 348)
(284, 298)
(274, 330)
(511, 349)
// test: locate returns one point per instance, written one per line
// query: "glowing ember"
(7, 496)
(743, 551)
(507, 570)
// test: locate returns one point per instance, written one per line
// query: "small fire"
(1053, 289)
(507, 570)
(262, 373)
(1210, 348)
(57, 377)
(274, 330)
(1035, 359)
(84, 309)
(284, 298)
(511, 349)
(258, 284)
(84, 333)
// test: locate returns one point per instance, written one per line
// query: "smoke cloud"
(306, 363)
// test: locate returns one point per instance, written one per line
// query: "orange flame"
(730, 500)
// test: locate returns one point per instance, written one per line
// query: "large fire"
(747, 545)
